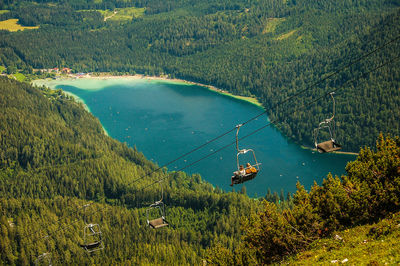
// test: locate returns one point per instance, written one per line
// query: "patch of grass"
(128, 13)
(286, 35)
(252, 100)
(271, 25)
(122, 14)
(2, 68)
(359, 246)
(105, 13)
(19, 76)
(4, 11)
(12, 25)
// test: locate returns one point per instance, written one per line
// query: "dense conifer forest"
(269, 49)
(55, 157)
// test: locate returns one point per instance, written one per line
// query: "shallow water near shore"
(165, 120)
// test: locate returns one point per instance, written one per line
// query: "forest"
(272, 50)
(55, 158)
(60, 172)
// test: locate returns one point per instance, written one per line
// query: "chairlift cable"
(76, 210)
(336, 72)
(55, 222)
(271, 122)
(251, 133)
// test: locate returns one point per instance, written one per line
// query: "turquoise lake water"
(164, 120)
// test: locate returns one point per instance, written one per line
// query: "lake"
(166, 119)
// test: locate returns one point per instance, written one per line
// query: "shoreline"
(108, 76)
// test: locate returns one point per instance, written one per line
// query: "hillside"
(270, 49)
(372, 244)
(369, 244)
(354, 217)
(55, 158)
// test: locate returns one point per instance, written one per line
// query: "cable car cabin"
(156, 222)
(247, 173)
(92, 239)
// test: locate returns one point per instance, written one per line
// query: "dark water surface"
(166, 119)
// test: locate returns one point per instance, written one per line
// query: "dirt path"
(115, 12)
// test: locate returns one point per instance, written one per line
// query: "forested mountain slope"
(270, 49)
(55, 158)
(355, 218)
(40, 198)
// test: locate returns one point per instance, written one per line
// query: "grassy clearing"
(4, 11)
(286, 35)
(19, 76)
(252, 100)
(2, 68)
(376, 244)
(271, 25)
(122, 14)
(12, 25)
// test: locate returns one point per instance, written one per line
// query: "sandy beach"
(108, 76)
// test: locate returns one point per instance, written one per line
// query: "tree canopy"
(269, 49)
